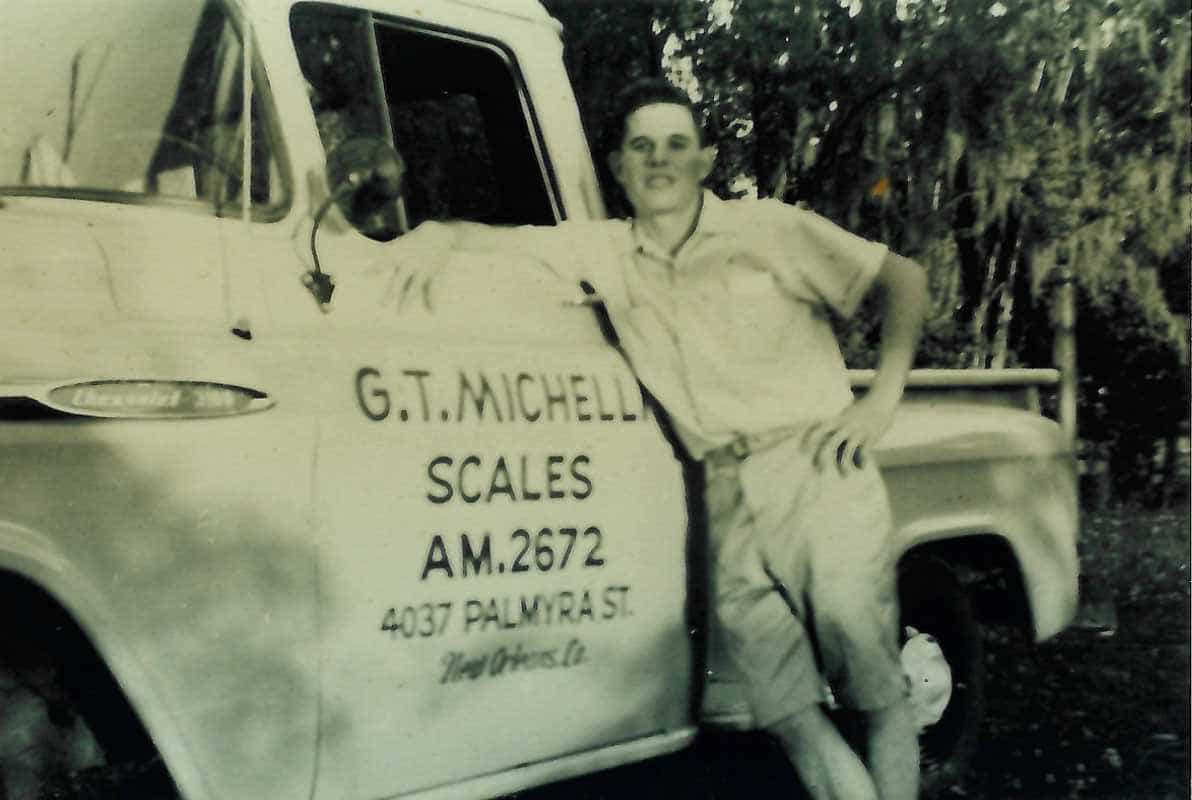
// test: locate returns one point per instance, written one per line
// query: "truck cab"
(263, 533)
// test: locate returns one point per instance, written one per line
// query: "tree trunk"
(968, 246)
(1001, 335)
(773, 126)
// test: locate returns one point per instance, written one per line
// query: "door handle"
(587, 301)
(591, 298)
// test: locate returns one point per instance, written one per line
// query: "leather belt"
(744, 445)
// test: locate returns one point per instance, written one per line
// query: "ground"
(1100, 711)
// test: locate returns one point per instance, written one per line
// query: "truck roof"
(525, 9)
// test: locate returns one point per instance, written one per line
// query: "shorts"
(797, 551)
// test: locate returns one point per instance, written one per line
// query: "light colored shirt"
(732, 334)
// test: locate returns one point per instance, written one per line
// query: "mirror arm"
(373, 171)
(317, 282)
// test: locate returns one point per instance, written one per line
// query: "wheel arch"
(61, 611)
(45, 621)
(989, 568)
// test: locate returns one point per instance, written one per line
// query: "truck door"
(502, 542)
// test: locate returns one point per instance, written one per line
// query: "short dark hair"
(645, 92)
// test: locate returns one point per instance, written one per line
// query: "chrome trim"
(41, 394)
(963, 378)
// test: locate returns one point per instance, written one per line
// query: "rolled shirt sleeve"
(823, 262)
(571, 250)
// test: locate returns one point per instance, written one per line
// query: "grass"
(1099, 712)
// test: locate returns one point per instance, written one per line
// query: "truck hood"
(52, 264)
(65, 263)
(111, 292)
(966, 431)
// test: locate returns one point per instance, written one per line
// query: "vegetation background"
(1004, 145)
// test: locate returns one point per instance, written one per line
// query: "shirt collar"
(714, 218)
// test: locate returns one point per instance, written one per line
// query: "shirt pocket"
(751, 284)
(755, 310)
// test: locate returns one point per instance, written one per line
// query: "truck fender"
(34, 558)
(1047, 565)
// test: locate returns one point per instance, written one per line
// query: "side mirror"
(365, 174)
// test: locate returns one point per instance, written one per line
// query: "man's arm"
(423, 252)
(903, 285)
(477, 237)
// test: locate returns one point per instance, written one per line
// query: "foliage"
(989, 140)
(607, 43)
(1134, 381)
(1012, 131)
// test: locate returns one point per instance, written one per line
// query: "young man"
(721, 308)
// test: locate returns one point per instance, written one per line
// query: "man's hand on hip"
(842, 439)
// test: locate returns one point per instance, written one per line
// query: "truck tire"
(934, 602)
(44, 743)
(66, 732)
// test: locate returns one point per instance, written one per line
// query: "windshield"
(124, 99)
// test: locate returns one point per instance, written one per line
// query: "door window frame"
(529, 116)
(533, 128)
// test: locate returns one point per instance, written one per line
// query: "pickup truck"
(264, 535)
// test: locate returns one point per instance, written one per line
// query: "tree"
(981, 137)
(1134, 384)
(606, 44)
(975, 136)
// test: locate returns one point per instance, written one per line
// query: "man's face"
(660, 163)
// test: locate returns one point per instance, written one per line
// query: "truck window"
(123, 100)
(451, 105)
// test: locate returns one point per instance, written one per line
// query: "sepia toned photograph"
(595, 399)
